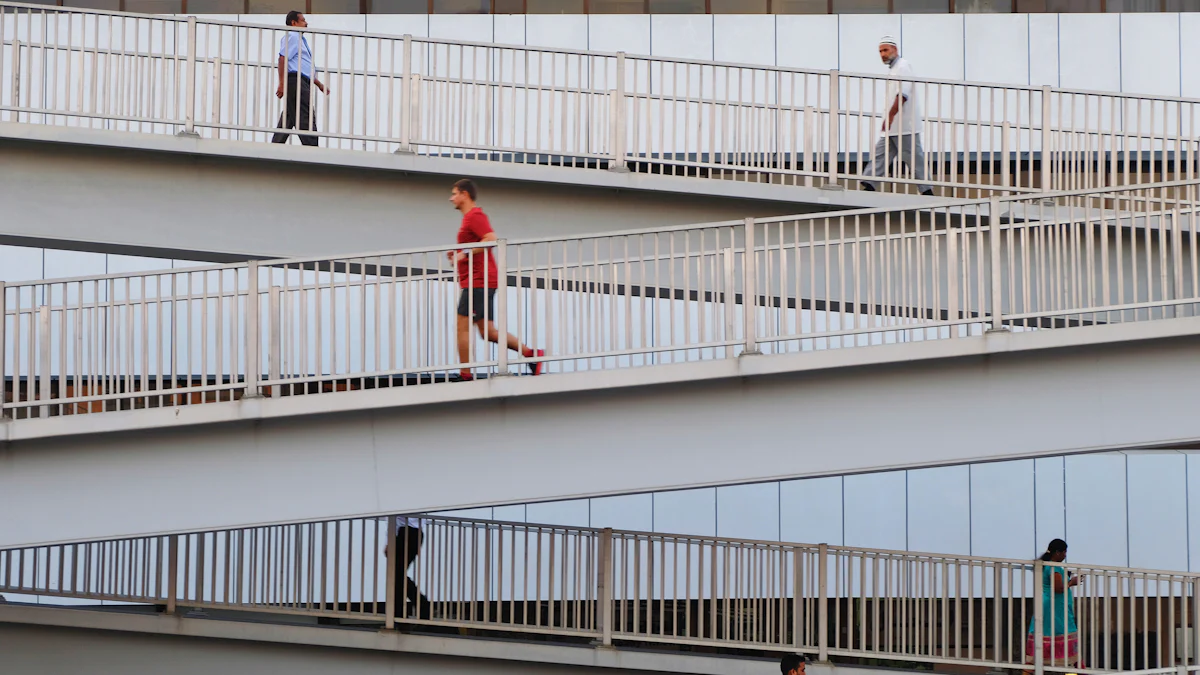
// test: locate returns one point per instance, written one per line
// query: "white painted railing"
(635, 587)
(600, 302)
(516, 104)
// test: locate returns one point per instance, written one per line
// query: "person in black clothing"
(408, 542)
(792, 664)
(296, 77)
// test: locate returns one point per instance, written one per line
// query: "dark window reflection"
(214, 6)
(1183, 6)
(508, 6)
(617, 6)
(398, 6)
(677, 6)
(154, 6)
(335, 7)
(554, 6)
(860, 6)
(461, 6)
(738, 6)
(800, 6)
(112, 5)
(984, 6)
(920, 6)
(274, 6)
(1058, 6)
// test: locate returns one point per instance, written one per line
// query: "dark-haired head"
(792, 664)
(1056, 551)
(468, 186)
(292, 17)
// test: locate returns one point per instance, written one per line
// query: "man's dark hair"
(790, 662)
(292, 17)
(468, 186)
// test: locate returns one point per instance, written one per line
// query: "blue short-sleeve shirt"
(294, 48)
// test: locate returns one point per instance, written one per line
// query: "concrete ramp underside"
(1002, 396)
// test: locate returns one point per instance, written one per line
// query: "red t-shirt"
(475, 227)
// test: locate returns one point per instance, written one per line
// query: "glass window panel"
(214, 6)
(512, 514)
(984, 6)
(20, 263)
(738, 6)
(43, 2)
(571, 513)
(1050, 519)
(939, 510)
(1096, 509)
(1134, 6)
(461, 6)
(1158, 503)
(1183, 6)
(800, 6)
(677, 7)
(482, 513)
(920, 6)
(1058, 6)
(1002, 510)
(119, 264)
(748, 511)
(111, 5)
(398, 6)
(686, 512)
(508, 6)
(874, 510)
(336, 7)
(75, 263)
(617, 7)
(154, 6)
(810, 511)
(624, 512)
(554, 6)
(1193, 483)
(860, 6)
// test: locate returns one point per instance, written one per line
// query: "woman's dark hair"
(292, 17)
(1055, 546)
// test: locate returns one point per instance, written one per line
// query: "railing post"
(502, 307)
(274, 340)
(834, 129)
(617, 117)
(44, 342)
(810, 143)
(389, 584)
(4, 353)
(750, 292)
(604, 591)
(189, 112)
(823, 603)
(1038, 618)
(1194, 638)
(1047, 139)
(16, 77)
(994, 244)
(253, 344)
(1005, 149)
(406, 106)
(172, 572)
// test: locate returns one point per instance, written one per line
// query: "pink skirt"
(1059, 650)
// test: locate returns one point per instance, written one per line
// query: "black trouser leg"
(299, 111)
(408, 542)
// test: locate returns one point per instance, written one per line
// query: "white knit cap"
(888, 40)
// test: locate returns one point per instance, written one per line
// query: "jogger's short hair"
(468, 186)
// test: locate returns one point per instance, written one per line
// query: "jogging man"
(901, 123)
(296, 77)
(478, 279)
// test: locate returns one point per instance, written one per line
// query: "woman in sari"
(1060, 634)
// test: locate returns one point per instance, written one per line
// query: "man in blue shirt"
(296, 77)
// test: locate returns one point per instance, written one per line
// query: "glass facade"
(632, 6)
(1123, 509)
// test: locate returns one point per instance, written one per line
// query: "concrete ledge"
(16, 431)
(372, 641)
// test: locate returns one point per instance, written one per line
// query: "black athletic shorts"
(482, 302)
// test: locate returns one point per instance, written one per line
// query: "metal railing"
(636, 587)
(601, 302)
(516, 104)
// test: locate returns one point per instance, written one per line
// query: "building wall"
(1134, 53)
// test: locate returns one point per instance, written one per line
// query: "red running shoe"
(537, 367)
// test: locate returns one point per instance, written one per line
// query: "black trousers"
(300, 112)
(408, 543)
